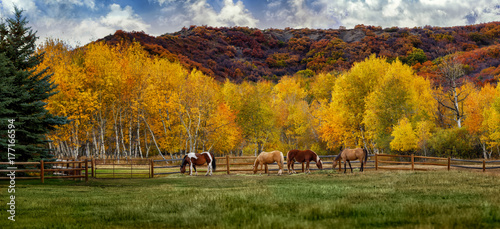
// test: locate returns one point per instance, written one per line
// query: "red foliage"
(243, 53)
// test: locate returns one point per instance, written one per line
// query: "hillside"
(241, 53)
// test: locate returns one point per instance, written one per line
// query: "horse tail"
(366, 155)
(214, 165)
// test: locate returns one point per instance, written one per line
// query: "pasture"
(323, 199)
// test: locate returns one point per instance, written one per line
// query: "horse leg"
(208, 169)
(281, 169)
(350, 165)
(362, 165)
(307, 167)
(345, 166)
(211, 168)
(288, 167)
(190, 168)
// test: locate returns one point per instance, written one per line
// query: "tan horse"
(351, 155)
(265, 158)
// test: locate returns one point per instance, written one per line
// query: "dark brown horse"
(351, 155)
(194, 159)
(302, 156)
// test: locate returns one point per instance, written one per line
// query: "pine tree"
(24, 88)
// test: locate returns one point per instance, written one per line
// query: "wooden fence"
(124, 168)
(55, 170)
(148, 168)
(231, 164)
(412, 162)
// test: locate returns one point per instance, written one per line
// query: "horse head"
(334, 164)
(319, 163)
(183, 165)
(256, 165)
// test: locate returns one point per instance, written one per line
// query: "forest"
(124, 103)
(133, 95)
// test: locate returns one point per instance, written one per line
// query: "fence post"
(41, 171)
(227, 164)
(79, 172)
(484, 165)
(152, 175)
(93, 165)
(86, 170)
(376, 162)
(412, 162)
(74, 171)
(449, 163)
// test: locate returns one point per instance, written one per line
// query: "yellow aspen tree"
(399, 94)
(342, 123)
(476, 107)
(405, 139)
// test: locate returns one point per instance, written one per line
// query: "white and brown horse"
(302, 156)
(194, 159)
(265, 158)
(348, 155)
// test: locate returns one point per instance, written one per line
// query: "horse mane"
(317, 159)
(338, 156)
(183, 161)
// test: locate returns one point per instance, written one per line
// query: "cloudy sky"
(78, 22)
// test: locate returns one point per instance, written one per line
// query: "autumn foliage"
(241, 53)
(241, 91)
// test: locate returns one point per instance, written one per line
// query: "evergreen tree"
(24, 88)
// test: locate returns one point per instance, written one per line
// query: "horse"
(302, 156)
(265, 158)
(195, 159)
(350, 155)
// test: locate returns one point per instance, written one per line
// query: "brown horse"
(350, 155)
(265, 158)
(302, 156)
(194, 159)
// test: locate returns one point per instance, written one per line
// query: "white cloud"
(200, 12)
(385, 13)
(88, 3)
(7, 6)
(125, 19)
(297, 14)
(236, 14)
(79, 31)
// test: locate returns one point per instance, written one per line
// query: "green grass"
(438, 199)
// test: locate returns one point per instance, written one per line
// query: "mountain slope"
(241, 53)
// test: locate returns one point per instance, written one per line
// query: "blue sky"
(79, 22)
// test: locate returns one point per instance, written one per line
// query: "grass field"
(442, 199)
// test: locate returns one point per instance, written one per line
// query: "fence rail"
(447, 162)
(149, 168)
(78, 169)
(125, 168)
